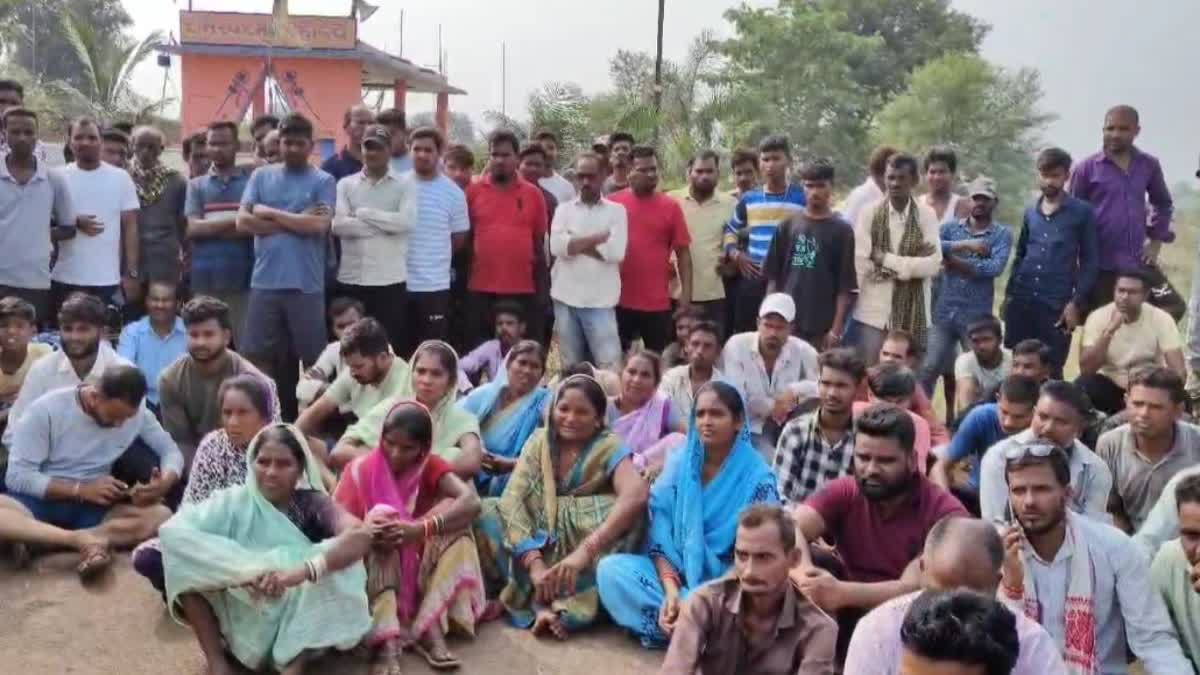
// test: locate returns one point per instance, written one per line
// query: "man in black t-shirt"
(812, 259)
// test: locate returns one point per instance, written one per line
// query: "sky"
(1091, 54)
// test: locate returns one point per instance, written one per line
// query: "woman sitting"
(693, 518)
(644, 418)
(509, 411)
(434, 384)
(220, 460)
(423, 570)
(573, 497)
(270, 570)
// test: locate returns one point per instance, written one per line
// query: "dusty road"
(51, 625)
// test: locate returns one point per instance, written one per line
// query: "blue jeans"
(944, 339)
(588, 331)
(867, 340)
(67, 515)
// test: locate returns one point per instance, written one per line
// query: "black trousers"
(1104, 394)
(656, 329)
(388, 305)
(750, 294)
(427, 316)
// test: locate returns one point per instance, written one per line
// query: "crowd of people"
(703, 416)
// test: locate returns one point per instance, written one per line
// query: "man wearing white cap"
(773, 369)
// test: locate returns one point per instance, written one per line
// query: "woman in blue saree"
(693, 518)
(509, 411)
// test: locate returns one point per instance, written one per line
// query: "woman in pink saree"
(643, 417)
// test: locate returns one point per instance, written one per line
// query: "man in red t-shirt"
(877, 521)
(656, 229)
(508, 227)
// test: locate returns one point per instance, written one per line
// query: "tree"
(42, 46)
(989, 116)
(105, 66)
(561, 108)
(462, 128)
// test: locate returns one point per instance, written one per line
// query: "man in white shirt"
(897, 251)
(375, 210)
(1085, 581)
(773, 369)
(871, 189)
(552, 181)
(106, 239)
(587, 241)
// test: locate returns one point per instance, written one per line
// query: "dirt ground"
(51, 624)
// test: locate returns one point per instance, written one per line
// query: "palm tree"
(107, 64)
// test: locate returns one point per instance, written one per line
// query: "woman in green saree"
(270, 570)
(573, 497)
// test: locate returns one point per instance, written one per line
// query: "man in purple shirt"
(1116, 181)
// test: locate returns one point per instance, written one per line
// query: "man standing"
(871, 190)
(114, 147)
(1085, 581)
(106, 238)
(744, 166)
(350, 160)
(558, 186)
(656, 229)
(1054, 269)
(195, 154)
(260, 128)
(532, 167)
(1058, 420)
(376, 210)
(394, 120)
(161, 192)
(620, 150)
(1150, 449)
(974, 252)
(508, 224)
(33, 195)
(12, 95)
(288, 208)
(941, 168)
(441, 231)
(757, 620)
(897, 253)
(681, 383)
(588, 240)
(458, 163)
(773, 369)
(1123, 336)
(817, 447)
(706, 211)
(1173, 570)
(812, 259)
(222, 257)
(1117, 181)
(751, 230)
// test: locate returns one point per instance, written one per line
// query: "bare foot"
(94, 555)
(547, 622)
(433, 648)
(386, 660)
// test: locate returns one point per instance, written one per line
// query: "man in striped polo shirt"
(751, 230)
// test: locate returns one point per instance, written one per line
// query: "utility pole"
(503, 79)
(401, 52)
(658, 88)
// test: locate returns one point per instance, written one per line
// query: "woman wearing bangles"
(423, 570)
(693, 518)
(270, 570)
(573, 497)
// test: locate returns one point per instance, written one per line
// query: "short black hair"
(818, 170)
(350, 111)
(756, 516)
(1034, 346)
(12, 307)
(1134, 273)
(81, 121)
(642, 152)
(1054, 158)
(963, 627)
(891, 380)
(943, 154)
(1057, 460)
(393, 118)
(704, 156)
(13, 85)
(432, 134)
(190, 141)
(124, 127)
(884, 420)
(295, 124)
(264, 121)
(844, 360)
(986, 323)
(693, 312)
(509, 307)
(877, 162)
(502, 137)
(532, 149)
(1019, 389)
(708, 327)
(743, 156)
(903, 160)
(342, 304)
(123, 382)
(1154, 377)
(1070, 394)
(81, 307)
(115, 135)
(1188, 490)
(618, 136)
(545, 134)
(227, 126)
(19, 112)
(367, 338)
(775, 143)
(459, 154)
(205, 308)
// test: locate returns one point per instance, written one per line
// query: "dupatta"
(643, 427)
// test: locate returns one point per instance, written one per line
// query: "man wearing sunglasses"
(1060, 416)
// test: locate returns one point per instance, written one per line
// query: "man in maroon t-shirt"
(508, 227)
(877, 521)
(656, 229)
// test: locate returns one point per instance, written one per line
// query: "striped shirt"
(441, 212)
(759, 214)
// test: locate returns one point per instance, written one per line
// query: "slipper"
(94, 559)
(450, 663)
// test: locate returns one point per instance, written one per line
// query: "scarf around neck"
(150, 182)
(1079, 611)
(908, 295)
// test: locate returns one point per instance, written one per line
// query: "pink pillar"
(400, 91)
(441, 114)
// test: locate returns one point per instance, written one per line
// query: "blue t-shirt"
(401, 164)
(287, 261)
(979, 430)
(219, 264)
(441, 212)
(759, 213)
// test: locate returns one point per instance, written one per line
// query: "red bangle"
(1013, 592)
(529, 557)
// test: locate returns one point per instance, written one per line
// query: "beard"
(205, 354)
(75, 350)
(1048, 522)
(877, 492)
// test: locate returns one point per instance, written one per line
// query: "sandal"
(449, 662)
(94, 559)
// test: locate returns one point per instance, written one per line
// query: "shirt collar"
(39, 169)
(238, 172)
(787, 613)
(362, 175)
(103, 355)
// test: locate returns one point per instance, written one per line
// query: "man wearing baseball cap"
(375, 211)
(773, 369)
(974, 252)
